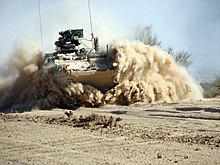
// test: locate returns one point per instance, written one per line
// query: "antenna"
(41, 38)
(90, 19)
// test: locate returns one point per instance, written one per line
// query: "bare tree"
(145, 34)
(170, 50)
(183, 58)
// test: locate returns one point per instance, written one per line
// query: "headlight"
(115, 64)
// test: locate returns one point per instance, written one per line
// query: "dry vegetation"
(211, 89)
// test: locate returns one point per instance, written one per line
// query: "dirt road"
(164, 133)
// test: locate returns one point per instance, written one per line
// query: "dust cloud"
(145, 74)
(149, 74)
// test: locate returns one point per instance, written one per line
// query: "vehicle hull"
(102, 80)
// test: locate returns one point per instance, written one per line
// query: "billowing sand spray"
(145, 74)
(15, 83)
(30, 84)
(149, 74)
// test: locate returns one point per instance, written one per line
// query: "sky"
(190, 25)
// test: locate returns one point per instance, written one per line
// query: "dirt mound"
(92, 121)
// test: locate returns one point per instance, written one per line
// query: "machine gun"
(69, 40)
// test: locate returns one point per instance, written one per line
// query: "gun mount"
(69, 40)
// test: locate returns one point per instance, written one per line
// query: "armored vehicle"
(73, 61)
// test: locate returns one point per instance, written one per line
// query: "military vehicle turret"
(73, 61)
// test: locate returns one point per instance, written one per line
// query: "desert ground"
(186, 132)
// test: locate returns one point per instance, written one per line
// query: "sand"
(186, 132)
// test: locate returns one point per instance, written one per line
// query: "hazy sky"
(190, 25)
